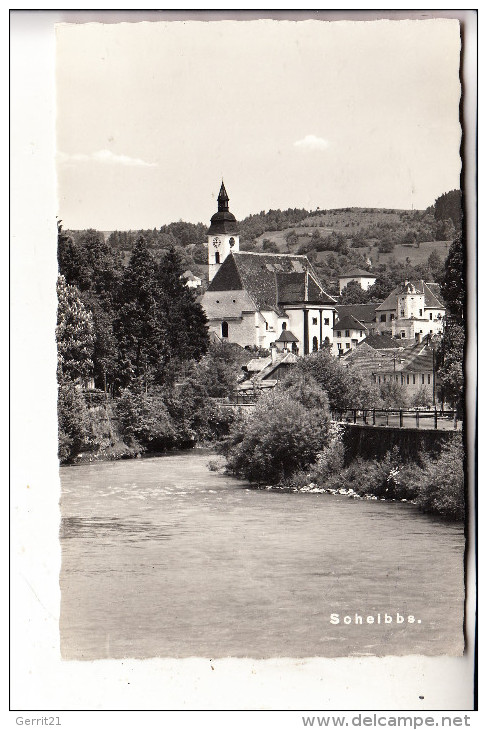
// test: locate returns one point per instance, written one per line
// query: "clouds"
(105, 157)
(311, 142)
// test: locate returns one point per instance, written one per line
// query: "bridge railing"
(400, 417)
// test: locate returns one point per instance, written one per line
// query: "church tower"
(222, 234)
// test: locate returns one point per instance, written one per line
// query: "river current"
(163, 558)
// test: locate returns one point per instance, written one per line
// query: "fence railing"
(400, 417)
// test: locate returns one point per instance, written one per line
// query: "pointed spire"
(223, 199)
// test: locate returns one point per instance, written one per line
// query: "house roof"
(417, 359)
(287, 336)
(383, 342)
(257, 364)
(431, 299)
(365, 313)
(357, 272)
(365, 359)
(271, 279)
(287, 358)
(349, 322)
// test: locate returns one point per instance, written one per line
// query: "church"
(263, 299)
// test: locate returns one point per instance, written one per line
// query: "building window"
(339, 334)
(431, 315)
(315, 344)
(383, 318)
(420, 312)
(414, 379)
(326, 321)
(347, 345)
(391, 317)
(403, 334)
(361, 333)
(267, 326)
(407, 379)
(402, 379)
(224, 329)
(217, 257)
(379, 379)
(315, 320)
(402, 312)
(429, 379)
(397, 378)
(347, 333)
(232, 242)
(339, 345)
(284, 325)
(422, 379)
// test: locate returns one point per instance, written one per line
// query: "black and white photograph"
(260, 356)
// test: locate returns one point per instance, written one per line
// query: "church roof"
(271, 280)
(431, 295)
(384, 342)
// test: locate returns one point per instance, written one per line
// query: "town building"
(191, 281)
(413, 370)
(412, 311)
(253, 297)
(365, 278)
(347, 333)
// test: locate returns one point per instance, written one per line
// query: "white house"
(412, 311)
(365, 278)
(191, 281)
(253, 297)
(347, 333)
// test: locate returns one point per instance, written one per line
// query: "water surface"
(161, 557)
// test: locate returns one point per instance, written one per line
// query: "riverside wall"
(373, 442)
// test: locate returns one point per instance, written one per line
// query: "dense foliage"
(283, 433)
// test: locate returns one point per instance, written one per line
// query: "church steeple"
(222, 234)
(223, 199)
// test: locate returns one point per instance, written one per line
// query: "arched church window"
(284, 325)
(217, 257)
(315, 344)
(224, 329)
(232, 242)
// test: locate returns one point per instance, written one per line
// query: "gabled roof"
(357, 272)
(365, 359)
(431, 300)
(257, 364)
(382, 342)
(287, 358)
(418, 359)
(348, 322)
(287, 336)
(271, 279)
(365, 313)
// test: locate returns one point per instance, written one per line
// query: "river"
(162, 557)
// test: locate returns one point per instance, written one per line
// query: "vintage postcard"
(259, 287)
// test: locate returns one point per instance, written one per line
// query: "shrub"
(441, 484)
(279, 437)
(144, 420)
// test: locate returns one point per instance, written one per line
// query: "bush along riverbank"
(289, 443)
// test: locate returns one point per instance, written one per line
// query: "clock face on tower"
(216, 242)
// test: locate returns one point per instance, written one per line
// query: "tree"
(354, 294)
(138, 326)
(185, 322)
(449, 206)
(453, 283)
(74, 334)
(344, 387)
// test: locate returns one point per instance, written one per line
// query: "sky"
(151, 116)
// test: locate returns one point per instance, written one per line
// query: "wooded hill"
(335, 240)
